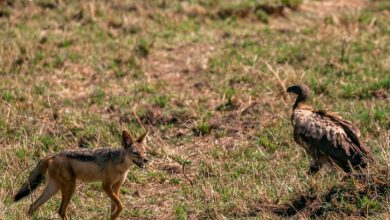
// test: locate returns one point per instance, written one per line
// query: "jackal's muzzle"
(140, 164)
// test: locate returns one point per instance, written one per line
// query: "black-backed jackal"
(108, 165)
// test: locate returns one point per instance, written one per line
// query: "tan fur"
(110, 166)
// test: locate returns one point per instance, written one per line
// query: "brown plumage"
(326, 137)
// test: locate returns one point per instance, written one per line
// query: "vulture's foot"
(313, 168)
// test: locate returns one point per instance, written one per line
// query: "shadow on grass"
(355, 195)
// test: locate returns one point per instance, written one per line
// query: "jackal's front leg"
(116, 189)
(114, 198)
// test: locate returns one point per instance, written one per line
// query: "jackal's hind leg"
(67, 191)
(51, 189)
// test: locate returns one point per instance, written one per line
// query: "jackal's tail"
(35, 178)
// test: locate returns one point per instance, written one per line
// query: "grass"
(207, 79)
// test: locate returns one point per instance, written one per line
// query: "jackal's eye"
(135, 152)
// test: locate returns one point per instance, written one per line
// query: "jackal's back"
(100, 156)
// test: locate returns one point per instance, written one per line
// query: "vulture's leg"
(315, 166)
(317, 161)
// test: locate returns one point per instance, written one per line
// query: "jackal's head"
(135, 149)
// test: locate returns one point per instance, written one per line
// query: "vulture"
(326, 137)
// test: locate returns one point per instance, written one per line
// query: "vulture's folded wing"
(330, 135)
(352, 131)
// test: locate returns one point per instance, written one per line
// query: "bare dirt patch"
(178, 65)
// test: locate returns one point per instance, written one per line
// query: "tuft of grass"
(161, 101)
(262, 16)
(293, 4)
(97, 96)
(7, 96)
(175, 181)
(142, 48)
(133, 178)
(21, 153)
(201, 129)
(180, 211)
(39, 89)
(145, 88)
(5, 12)
(48, 143)
(365, 203)
(265, 141)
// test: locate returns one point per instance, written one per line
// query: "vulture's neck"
(301, 99)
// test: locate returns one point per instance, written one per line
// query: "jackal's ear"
(142, 137)
(127, 140)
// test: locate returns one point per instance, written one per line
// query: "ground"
(208, 80)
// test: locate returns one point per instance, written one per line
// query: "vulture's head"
(301, 90)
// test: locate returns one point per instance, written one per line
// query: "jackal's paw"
(117, 212)
(113, 217)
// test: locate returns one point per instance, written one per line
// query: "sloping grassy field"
(207, 78)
